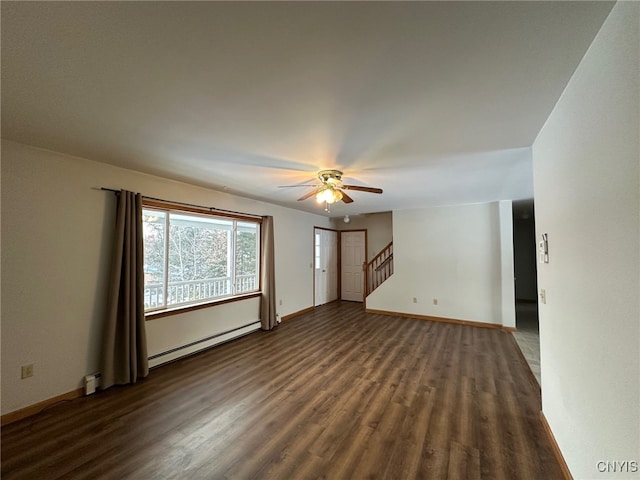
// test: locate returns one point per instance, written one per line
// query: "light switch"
(543, 248)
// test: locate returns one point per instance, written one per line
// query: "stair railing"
(379, 268)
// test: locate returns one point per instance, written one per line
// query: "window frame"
(168, 208)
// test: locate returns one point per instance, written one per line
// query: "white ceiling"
(436, 103)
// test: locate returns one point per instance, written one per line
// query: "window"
(193, 258)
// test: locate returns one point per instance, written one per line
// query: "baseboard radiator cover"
(196, 346)
(91, 382)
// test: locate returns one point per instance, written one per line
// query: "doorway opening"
(526, 283)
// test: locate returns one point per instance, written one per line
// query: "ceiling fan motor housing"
(330, 176)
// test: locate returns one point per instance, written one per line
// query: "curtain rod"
(211, 209)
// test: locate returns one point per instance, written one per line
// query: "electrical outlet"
(280, 302)
(27, 371)
(415, 300)
(435, 301)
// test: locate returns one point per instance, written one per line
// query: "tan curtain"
(124, 343)
(268, 275)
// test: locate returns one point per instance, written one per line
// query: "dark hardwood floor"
(335, 394)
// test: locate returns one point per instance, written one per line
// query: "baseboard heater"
(208, 339)
(92, 381)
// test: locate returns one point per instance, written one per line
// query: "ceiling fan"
(332, 190)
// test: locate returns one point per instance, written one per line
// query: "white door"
(325, 266)
(353, 250)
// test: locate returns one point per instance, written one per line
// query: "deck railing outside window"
(192, 291)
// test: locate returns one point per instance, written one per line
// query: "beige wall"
(56, 244)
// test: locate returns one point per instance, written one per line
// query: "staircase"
(379, 269)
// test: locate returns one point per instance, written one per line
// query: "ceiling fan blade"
(362, 189)
(346, 198)
(308, 195)
(299, 185)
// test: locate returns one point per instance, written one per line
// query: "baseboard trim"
(297, 314)
(38, 407)
(455, 321)
(556, 449)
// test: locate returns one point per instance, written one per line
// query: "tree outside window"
(202, 258)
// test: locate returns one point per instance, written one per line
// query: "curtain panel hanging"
(124, 344)
(267, 276)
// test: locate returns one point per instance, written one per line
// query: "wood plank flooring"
(334, 394)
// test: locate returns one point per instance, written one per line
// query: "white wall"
(452, 254)
(587, 190)
(56, 239)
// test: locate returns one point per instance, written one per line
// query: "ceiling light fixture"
(329, 195)
(346, 219)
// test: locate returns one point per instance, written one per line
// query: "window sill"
(198, 306)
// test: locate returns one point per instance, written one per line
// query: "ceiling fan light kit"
(329, 195)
